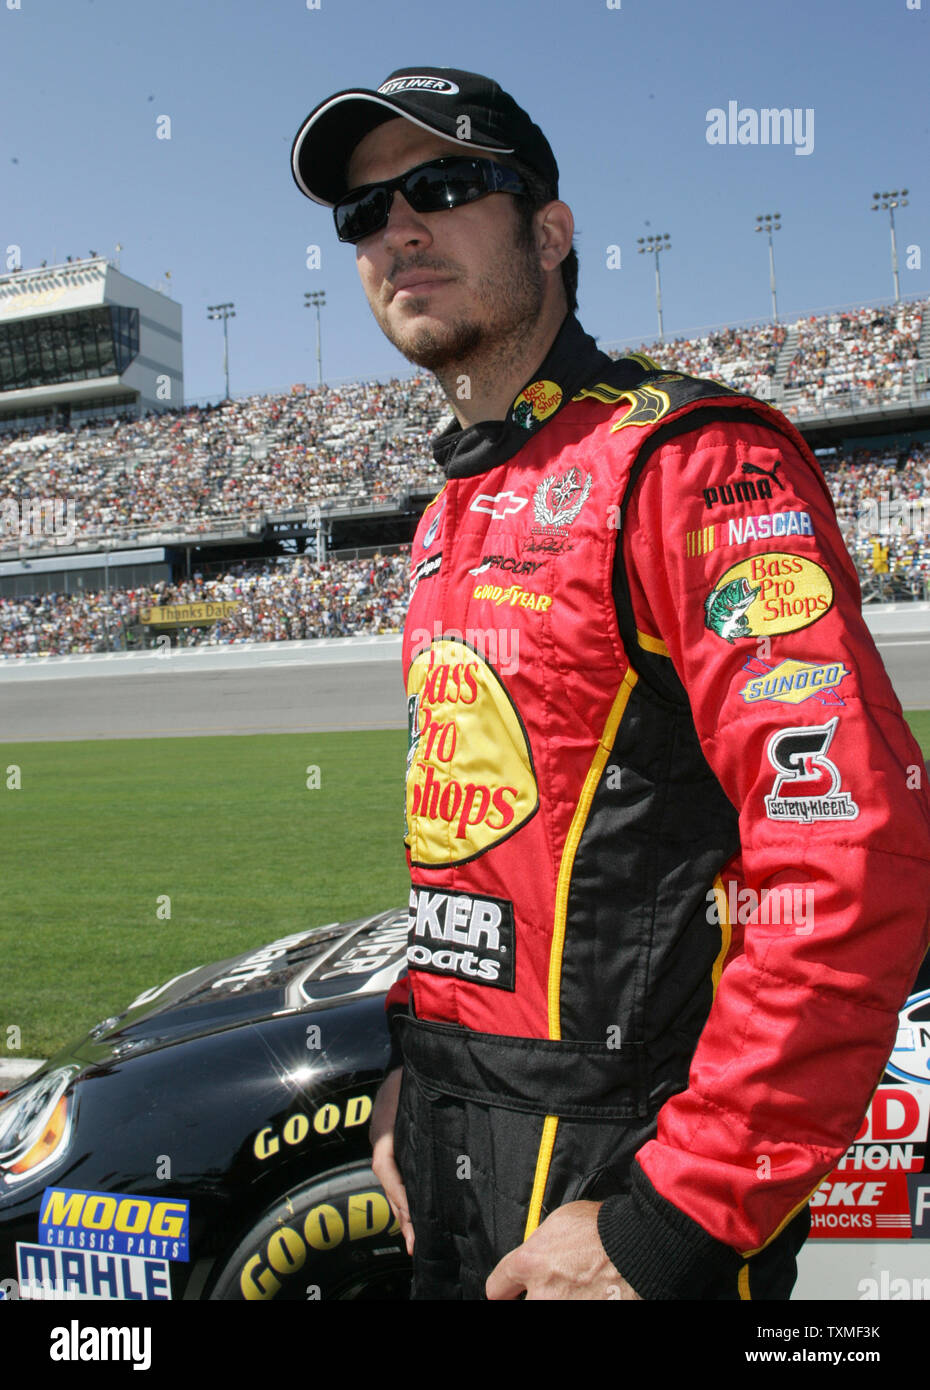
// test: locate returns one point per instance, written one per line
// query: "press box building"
(81, 341)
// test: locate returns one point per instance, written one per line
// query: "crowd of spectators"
(279, 601)
(870, 352)
(742, 357)
(189, 470)
(192, 470)
(883, 508)
(208, 467)
(881, 499)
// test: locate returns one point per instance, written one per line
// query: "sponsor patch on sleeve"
(767, 594)
(792, 682)
(808, 785)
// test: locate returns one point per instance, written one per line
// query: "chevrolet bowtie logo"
(498, 504)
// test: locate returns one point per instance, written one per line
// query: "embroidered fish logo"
(725, 609)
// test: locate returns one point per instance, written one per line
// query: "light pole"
(224, 312)
(316, 299)
(887, 202)
(769, 222)
(656, 244)
(106, 605)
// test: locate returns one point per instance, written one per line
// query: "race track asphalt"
(288, 692)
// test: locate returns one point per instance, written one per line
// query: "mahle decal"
(470, 776)
(767, 594)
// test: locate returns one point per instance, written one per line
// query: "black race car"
(211, 1141)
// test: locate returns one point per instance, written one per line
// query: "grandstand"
(285, 509)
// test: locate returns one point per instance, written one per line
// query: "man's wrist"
(662, 1252)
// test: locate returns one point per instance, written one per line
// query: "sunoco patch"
(462, 934)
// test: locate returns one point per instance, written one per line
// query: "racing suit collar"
(573, 359)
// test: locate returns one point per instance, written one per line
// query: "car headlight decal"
(35, 1124)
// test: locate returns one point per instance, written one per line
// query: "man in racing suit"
(661, 799)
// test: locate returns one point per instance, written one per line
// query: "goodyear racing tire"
(335, 1237)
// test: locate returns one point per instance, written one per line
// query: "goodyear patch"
(116, 1223)
(514, 595)
(766, 595)
(792, 682)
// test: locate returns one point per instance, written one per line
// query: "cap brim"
(330, 133)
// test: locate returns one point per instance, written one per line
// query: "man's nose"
(404, 226)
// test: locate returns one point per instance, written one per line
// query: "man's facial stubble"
(506, 304)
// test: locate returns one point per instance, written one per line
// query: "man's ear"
(555, 228)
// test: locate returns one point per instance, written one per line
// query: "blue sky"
(622, 94)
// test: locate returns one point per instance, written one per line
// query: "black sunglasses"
(432, 187)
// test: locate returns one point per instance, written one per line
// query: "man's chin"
(435, 349)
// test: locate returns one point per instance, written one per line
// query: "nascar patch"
(739, 530)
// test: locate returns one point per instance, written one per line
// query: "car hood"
(320, 966)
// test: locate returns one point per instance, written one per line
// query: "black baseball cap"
(434, 98)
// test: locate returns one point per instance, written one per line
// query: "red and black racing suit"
(668, 839)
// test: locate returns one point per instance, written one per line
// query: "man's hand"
(381, 1136)
(563, 1258)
